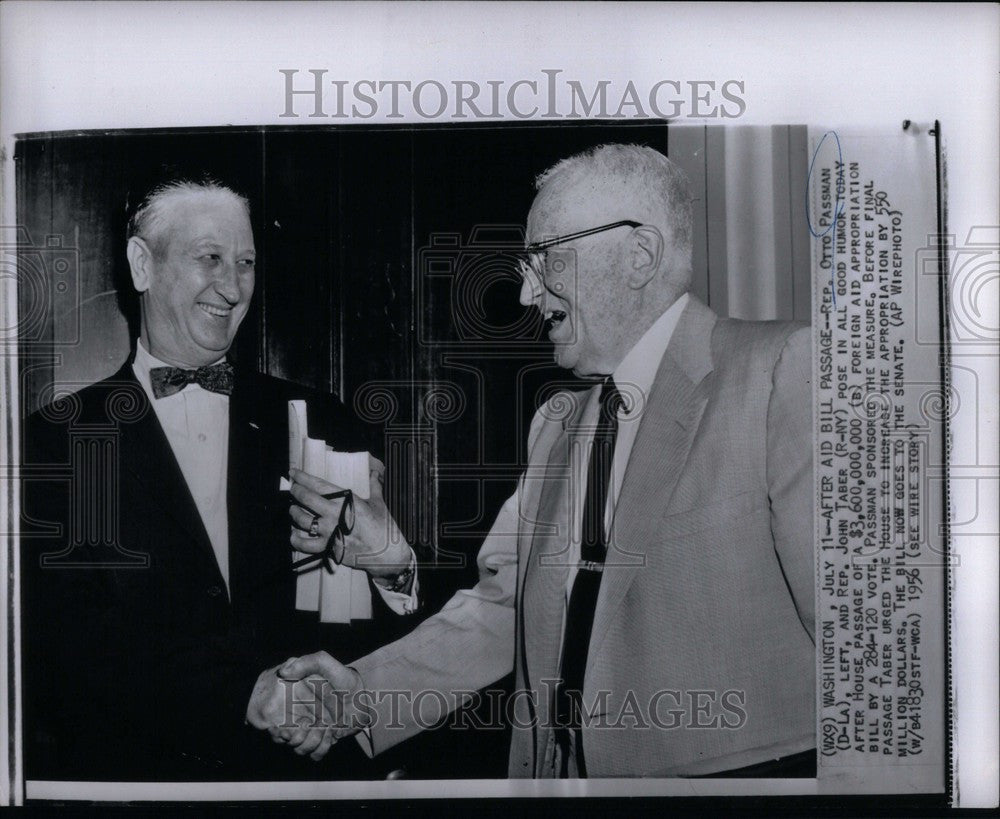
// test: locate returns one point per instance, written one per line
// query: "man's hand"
(292, 711)
(375, 544)
(343, 697)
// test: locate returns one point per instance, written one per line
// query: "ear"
(140, 262)
(645, 255)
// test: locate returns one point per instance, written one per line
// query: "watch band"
(403, 580)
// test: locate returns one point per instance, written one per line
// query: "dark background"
(384, 276)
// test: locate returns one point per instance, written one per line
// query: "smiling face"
(578, 287)
(196, 276)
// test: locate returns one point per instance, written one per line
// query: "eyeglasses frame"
(535, 247)
(545, 244)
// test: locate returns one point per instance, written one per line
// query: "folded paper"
(343, 594)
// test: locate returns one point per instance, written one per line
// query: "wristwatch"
(403, 580)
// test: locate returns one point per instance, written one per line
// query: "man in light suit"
(651, 580)
(156, 569)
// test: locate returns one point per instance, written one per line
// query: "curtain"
(751, 240)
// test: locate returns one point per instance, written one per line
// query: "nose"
(227, 285)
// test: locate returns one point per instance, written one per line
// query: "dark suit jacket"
(137, 662)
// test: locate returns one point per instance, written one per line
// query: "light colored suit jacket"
(702, 652)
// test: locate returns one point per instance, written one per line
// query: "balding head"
(612, 182)
(152, 220)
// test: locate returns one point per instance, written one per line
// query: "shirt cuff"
(401, 602)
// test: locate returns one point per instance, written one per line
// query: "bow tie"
(169, 380)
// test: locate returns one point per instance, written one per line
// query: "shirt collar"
(634, 376)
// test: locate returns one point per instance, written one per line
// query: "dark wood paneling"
(299, 320)
(375, 292)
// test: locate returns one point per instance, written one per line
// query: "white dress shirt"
(634, 378)
(196, 423)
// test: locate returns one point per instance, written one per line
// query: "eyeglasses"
(334, 551)
(532, 263)
(534, 247)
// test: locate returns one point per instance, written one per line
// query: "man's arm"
(466, 646)
(790, 471)
(411, 682)
(463, 648)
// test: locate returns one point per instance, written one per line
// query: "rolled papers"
(343, 594)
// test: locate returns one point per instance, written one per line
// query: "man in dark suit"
(156, 566)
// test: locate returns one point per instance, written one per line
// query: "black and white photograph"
(529, 433)
(362, 276)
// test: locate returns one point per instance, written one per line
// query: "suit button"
(214, 591)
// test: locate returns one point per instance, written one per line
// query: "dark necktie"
(583, 597)
(169, 380)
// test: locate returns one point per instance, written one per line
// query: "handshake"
(309, 703)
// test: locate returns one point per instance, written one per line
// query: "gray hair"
(641, 169)
(149, 219)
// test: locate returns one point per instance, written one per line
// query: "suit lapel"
(245, 497)
(547, 564)
(154, 472)
(668, 427)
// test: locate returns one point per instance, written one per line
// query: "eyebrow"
(208, 243)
